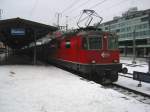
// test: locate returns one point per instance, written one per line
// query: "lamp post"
(66, 23)
(34, 58)
(1, 11)
(149, 64)
(134, 48)
(58, 18)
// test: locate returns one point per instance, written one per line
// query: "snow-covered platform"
(50, 89)
(133, 84)
(141, 66)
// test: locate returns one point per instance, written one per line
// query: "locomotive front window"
(92, 43)
(113, 42)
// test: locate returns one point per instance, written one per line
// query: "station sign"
(17, 31)
(140, 76)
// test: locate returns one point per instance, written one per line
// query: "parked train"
(89, 51)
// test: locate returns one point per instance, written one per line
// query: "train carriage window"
(113, 42)
(92, 42)
(68, 44)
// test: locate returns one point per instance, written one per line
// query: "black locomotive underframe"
(91, 71)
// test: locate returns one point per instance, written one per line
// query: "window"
(92, 42)
(85, 43)
(106, 28)
(122, 30)
(117, 30)
(145, 25)
(113, 42)
(128, 29)
(144, 19)
(68, 44)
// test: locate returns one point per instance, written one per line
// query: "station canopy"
(17, 33)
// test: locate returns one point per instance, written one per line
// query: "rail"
(140, 96)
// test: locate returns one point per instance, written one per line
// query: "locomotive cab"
(100, 49)
(106, 45)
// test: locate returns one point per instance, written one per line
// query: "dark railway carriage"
(93, 53)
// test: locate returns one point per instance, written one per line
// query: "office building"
(132, 27)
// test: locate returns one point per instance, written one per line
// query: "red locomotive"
(92, 52)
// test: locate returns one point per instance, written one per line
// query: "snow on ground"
(50, 89)
(133, 84)
(141, 66)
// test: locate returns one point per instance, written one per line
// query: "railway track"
(142, 97)
(128, 75)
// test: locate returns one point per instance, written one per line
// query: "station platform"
(14, 59)
(50, 89)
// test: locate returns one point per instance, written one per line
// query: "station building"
(132, 27)
(18, 33)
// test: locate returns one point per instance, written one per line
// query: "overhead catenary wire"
(115, 5)
(71, 5)
(95, 5)
(34, 7)
(84, 3)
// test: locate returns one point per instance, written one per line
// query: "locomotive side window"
(85, 43)
(92, 43)
(68, 44)
(112, 42)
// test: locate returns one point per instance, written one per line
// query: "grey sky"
(44, 11)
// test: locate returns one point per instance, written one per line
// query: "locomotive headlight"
(93, 61)
(115, 61)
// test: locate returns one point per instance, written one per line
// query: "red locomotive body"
(93, 53)
(90, 51)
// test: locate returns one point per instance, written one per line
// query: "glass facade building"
(132, 27)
